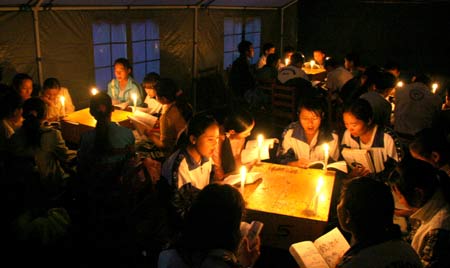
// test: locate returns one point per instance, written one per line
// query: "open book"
(142, 121)
(339, 165)
(324, 252)
(251, 150)
(121, 106)
(251, 178)
(372, 159)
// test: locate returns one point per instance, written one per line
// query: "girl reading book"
(303, 141)
(123, 86)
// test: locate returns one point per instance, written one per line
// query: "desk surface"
(83, 117)
(291, 191)
(313, 70)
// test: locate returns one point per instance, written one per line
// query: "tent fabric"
(67, 50)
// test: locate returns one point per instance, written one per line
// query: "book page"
(266, 143)
(251, 177)
(307, 256)
(251, 154)
(332, 246)
(339, 165)
(121, 105)
(142, 121)
(358, 156)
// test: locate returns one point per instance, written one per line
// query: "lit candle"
(134, 97)
(260, 139)
(435, 86)
(94, 91)
(243, 172)
(400, 84)
(286, 61)
(63, 107)
(311, 63)
(326, 150)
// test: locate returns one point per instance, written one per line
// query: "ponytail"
(101, 109)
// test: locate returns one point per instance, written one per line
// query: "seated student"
(10, 115)
(175, 113)
(23, 84)
(293, 70)
(363, 133)
(51, 93)
(302, 141)
(211, 235)
(153, 106)
(268, 49)
(319, 58)
(123, 86)
(236, 128)
(425, 190)
(268, 73)
(431, 146)
(285, 59)
(42, 145)
(366, 209)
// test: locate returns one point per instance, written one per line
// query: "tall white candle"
(326, 149)
(94, 91)
(134, 97)
(243, 172)
(286, 61)
(400, 84)
(311, 64)
(62, 99)
(435, 86)
(260, 139)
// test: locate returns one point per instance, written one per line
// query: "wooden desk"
(78, 122)
(285, 201)
(315, 74)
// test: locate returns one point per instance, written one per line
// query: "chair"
(284, 99)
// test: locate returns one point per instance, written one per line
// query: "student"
(285, 59)
(236, 128)
(363, 133)
(192, 163)
(123, 86)
(43, 145)
(51, 93)
(303, 141)
(211, 235)
(293, 70)
(175, 113)
(241, 75)
(10, 115)
(425, 191)
(268, 73)
(366, 209)
(153, 106)
(268, 48)
(23, 84)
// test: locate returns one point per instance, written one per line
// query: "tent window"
(234, 32)
(111, 41)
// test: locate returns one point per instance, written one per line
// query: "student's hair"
(318, 106)
(101, 108)
(384, 81)
(18, 79)
(297, 58)
(167, 88)
(430, 140)
(288, 49)
(422, 78)
(214, 220)
(151, 78)
(412, 174)
(244, 46)
(353, 57)
(272, 58)
(51, 83)
(34, 110)
(199, 123)
(370, 205)
(10, 101)
(361, 109)
(238, 120)
(267, 46)
(125, 62)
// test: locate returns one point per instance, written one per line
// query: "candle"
(400, 84)
(94, 91)
(260, 139)
(311, 64)
(63, 107)
(435, 86)
(243, 172)
(134, 97)
(286, 61)
(326, 149)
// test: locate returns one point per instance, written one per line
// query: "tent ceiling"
(228, 3)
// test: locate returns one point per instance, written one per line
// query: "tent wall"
(67, 51)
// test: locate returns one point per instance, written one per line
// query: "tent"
(57, 38)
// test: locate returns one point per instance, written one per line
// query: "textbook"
(251, 150)
(142, 121)
(372, 159)
(251, 178)
(325, 252)
(339, 165)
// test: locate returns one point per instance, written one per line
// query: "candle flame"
(286, 61)
(311, 64)
(400, 84)
(260, 140)
(134, 97)
(94, 91)
(326, 148)
(435, 86)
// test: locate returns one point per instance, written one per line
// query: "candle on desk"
(326, 150)
(134, 97)
(400, 84)
(62, 99)
(311, 64)
(435, 86)
(94, 91)
(318, 194)
(260, 144)
(286, 61)
(243, 172)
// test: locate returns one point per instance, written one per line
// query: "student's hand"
(358, 171)
(248, 255)
(47, 100)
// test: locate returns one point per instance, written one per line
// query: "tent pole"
(38, 41)
(194, 59)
